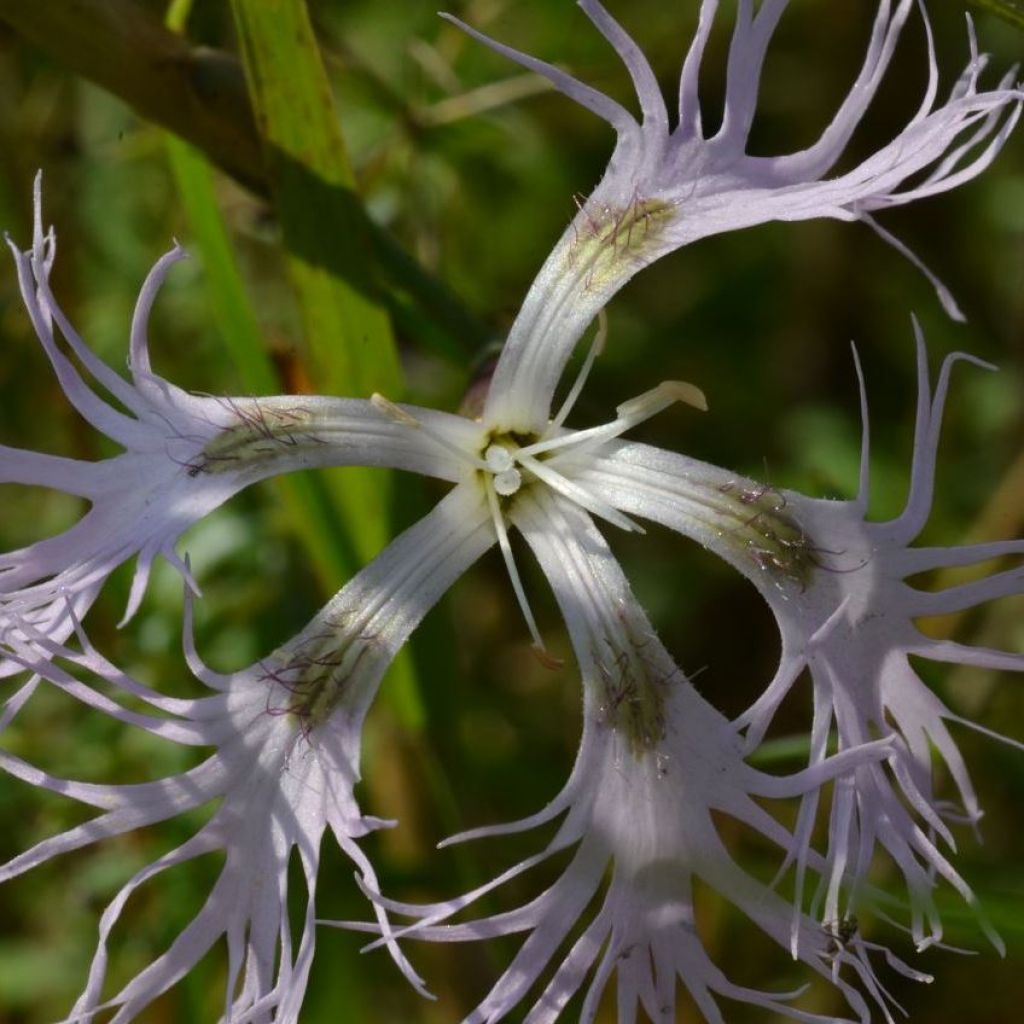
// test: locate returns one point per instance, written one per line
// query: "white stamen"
(650, 403)
(510, 565)
(579, 495)
(596, 348)
(630, 413)
(394, 412)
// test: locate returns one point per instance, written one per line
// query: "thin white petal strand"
(648, 92)
(751, 38)
(34, 469)
(690, 120)
(814, 162)
(596, 102)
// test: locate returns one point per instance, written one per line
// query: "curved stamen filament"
(578, 494)
(630, 413)
(510, 564)
(596, 348)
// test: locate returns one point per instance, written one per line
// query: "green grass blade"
(199, 93)
(313, 186)
(229, 306)
(309, 507)
(346, 327)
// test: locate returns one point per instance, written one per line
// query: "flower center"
(507, 464)
(508, 461)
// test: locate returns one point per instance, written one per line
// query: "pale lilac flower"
(837, 584)
(669, 184)
(656, 760)
(286, 733)
(286, 730)
(184, 455)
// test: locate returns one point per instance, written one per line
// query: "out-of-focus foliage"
(1011, 10)
(472, 166)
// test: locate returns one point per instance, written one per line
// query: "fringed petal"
(665, 189)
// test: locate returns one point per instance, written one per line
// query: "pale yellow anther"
(392, 411)
(667, 393)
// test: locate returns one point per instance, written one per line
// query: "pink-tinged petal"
(945, 296)
(138, 347)
(690, 120)
(648, 92)
(13, 704)
(653, 768)
(750, 42)
(34, 469)
(596, 102)
(965, 654)
(925, 559)
(567, 901)
(176, 731)
(287, 735)
(928, 427)
(839, 586)
(184, 455)
(574, 969)
(205, 841)
(814, 162)
(429, 917)
(664, 189)
(93, 409)
(42, 257)
(131, 807)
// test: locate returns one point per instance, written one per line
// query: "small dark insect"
(842, 932)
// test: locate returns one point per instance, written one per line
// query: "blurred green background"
(471, 167)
